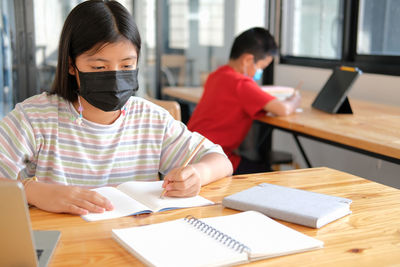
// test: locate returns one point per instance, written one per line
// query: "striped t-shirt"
(139, 145)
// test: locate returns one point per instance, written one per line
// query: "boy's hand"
(66, 199)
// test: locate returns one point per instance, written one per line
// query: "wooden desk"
(370, 236)
(189, 94)
(373, 129)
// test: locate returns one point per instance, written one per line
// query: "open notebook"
(216, 241)
(133, 198)
(280, 92)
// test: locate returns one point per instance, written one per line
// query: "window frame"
(378, 64)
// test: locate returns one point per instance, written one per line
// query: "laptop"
(333, 96)
(19, 245)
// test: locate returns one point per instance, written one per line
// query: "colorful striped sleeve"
(17, 142)
(178, 144)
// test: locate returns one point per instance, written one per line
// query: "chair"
(171, 106)
(203, 77)
(257, 146)
(172, 63)
(277, 158)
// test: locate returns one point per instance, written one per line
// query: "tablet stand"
(345, 107)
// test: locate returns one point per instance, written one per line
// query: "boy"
(232, 99)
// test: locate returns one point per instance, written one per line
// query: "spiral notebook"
(217, 241)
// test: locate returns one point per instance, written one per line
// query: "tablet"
(333, 96)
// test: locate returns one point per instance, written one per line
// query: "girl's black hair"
(89, 26)
(256, 41)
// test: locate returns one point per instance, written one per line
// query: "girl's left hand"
(182, 182)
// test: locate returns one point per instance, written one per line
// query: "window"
(178, 24)
(144, 13)
(49, 20)
(198, 36)
(7, 77)
(328, 33)
(248, 16)
(378, 28)
(211, 13)
(312, 28)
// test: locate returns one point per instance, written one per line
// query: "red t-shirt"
(227, 108)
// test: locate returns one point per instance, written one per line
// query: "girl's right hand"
(66, 199)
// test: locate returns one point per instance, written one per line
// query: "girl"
(90, 131)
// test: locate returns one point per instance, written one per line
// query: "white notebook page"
(123, 205)
(263, 235)
(176, 243)
(149, 193)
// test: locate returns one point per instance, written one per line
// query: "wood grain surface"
(373, 127)
(370, 236)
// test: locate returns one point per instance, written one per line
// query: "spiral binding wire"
(217, 235)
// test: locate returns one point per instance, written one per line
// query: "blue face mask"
(258, 74)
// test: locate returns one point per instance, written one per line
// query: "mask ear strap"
(80, 109)
(77, 77)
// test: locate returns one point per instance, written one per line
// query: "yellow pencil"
(187, 161)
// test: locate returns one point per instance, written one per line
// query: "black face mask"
(108, 90)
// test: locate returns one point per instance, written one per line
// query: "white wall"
(372, 87)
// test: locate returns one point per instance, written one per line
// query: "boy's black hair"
(256, 41)
(89, 26)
